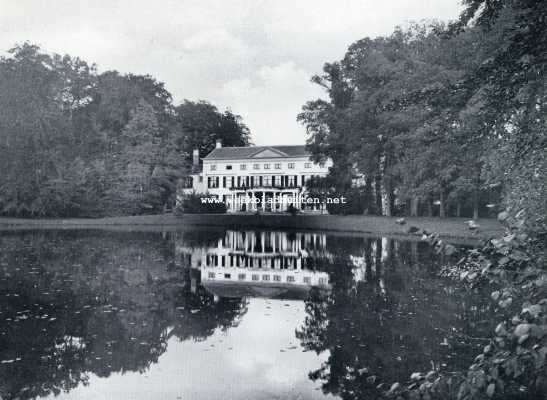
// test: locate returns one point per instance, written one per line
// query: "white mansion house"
(254, 178)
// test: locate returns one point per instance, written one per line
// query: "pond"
(212, 313)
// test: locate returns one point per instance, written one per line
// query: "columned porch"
(264, 200)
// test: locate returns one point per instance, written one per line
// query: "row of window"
(278, 262)
(277, 181)
(243, 167)
(267, 277)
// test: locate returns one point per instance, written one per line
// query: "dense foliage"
(455, 116)
(444, 120)
(78, 143)
(512, 365)
(193, 204)
(354, 200)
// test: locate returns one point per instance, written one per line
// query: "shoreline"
(447, 228)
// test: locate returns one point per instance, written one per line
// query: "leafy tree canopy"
(78, 143)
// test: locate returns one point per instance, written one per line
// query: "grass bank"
(447, 227)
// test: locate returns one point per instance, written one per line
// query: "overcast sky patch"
(255, 57)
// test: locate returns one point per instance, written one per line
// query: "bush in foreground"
(513, 365)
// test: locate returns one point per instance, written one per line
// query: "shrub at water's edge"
(513, 364)
(197, 204)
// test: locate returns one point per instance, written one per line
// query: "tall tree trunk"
(385, 186)
(458, 209)
(476, 204)
(442, 212)
(414, 207)
(476, 210)
(476, 193)
(429, 208)
(368, 196)
(378, 193)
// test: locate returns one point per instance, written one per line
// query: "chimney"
(219, 144)
(195, 157)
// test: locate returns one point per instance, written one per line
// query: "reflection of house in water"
(259, 264)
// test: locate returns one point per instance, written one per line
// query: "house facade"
(257, 178)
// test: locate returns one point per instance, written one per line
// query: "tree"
(403, 116)
(136, 162)
(201, 125)
(32, 126)
(324, 122)
(512, 89)
(78, 143)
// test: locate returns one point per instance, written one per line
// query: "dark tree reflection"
(199, 314)
(75, 303)
(388, 316)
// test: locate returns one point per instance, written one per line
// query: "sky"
(255, 57)
(259, 359)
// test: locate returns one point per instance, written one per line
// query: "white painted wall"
(214, 168)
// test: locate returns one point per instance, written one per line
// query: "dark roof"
(229, 153)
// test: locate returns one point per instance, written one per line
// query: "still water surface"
(211, 314)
